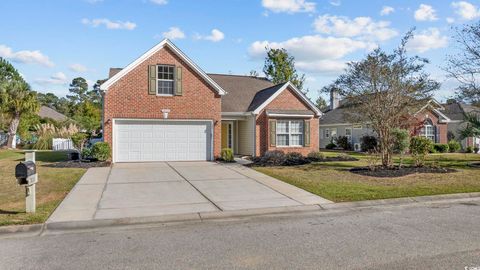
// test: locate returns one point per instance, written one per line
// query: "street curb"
(205, 216)
(13, 229)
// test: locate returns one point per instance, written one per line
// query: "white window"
(428, 130)
(327, 133)
(333, 132)
(289, 133)
(165, 79)
(348, 133)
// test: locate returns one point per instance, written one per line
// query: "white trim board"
(295, 89)
(152, 51)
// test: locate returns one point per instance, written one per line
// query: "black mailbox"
(25, 169)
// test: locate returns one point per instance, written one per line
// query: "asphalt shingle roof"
(46, 112)
(243, 92)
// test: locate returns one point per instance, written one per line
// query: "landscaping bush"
(316, 156)
(295, 158)
(469, 149)
(441, 147)
(79, 140)
(454, 146)
(476, 149)
(419, 148)
(273, 158)
(101, 151)
(368, 143)
(86, 152)
(402, 140)
(342, 141)
(330, 146)
(227, 155)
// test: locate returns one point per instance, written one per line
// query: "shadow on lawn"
(7, 212)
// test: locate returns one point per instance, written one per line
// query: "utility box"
(25, 173)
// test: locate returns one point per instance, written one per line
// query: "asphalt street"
(427, 236)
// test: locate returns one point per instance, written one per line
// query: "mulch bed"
(474, 164)
(338, 158)
(398, 172)
(78, 164)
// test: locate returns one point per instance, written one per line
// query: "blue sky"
(52, 42)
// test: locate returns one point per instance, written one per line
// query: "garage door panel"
(137, 141)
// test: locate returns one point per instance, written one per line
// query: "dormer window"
(165, 80)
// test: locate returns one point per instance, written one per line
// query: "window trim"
(289, 133)
(351, 134)
(327, 133)
(173, 81)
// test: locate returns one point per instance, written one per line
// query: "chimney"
(334, 99)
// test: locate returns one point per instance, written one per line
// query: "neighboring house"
(47, 112)
(163, 107)
(456, 112)
(431, 122)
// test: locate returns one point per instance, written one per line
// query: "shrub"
(273, 158)
(441, 147)
(342, 141)
(419, 148)
(101, 151)
(368, 143)
(469, 149)
(401, 139)
(316, 156)
(476, 149)
(330, 146)
(295, 158)
(454, 146)
(227, 155)
(86, 152)
(79, 140)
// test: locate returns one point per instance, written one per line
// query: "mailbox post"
(26, 174)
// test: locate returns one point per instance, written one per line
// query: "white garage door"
(138, 141)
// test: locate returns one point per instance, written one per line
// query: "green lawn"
(53, 185)
(333, 181)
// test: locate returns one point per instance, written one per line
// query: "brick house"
(163, 107)
(429, 121)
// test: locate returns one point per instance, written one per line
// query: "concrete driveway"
(129, 190)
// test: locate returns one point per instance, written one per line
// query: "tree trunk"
(12, 129)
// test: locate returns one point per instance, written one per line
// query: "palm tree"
(17, 99)
(473, 125)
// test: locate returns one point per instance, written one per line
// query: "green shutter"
(152, 80)
(272, 123)
(306, 133)
(178, 81)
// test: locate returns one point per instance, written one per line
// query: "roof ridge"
(238, 75)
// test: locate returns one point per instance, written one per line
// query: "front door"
(227, 135)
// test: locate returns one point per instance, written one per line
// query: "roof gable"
(270, 94)
(152, 51)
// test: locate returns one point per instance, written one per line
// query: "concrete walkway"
(129, 190)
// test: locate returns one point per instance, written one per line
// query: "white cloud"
(466, 10)
(336, 3)
(314, 53)
(450, 20)
(25, 56)
(94, 1)
(289, 6)
(363, 27)
(386, 10)
(58, 78)
(427, 40)
(425, 13)
(78, 68)
(116, 25)
(159, 2)
(174, 33)
(215, 36)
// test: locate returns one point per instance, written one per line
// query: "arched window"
(428, 130)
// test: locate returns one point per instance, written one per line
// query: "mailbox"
(25, 171)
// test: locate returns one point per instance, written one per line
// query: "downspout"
(254, 135)
(102, 93)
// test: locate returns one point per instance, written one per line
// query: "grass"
(333, 181)
(53, 185)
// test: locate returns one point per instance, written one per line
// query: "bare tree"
(383, 90)
(464, 66)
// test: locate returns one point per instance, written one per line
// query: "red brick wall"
(442, 128)
(287, 100)
(129, 98)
